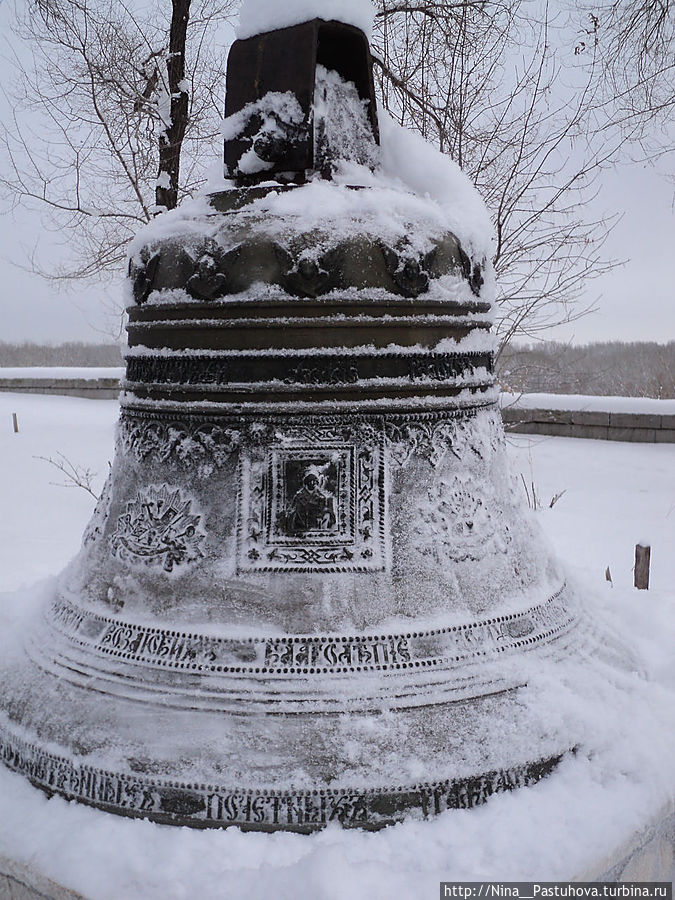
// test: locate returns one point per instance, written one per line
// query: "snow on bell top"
(300, 94)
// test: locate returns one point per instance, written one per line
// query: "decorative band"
(310, 654)
(162, 434)
(207, 805)
(316, 370)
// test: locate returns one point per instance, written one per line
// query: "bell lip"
(198, 804)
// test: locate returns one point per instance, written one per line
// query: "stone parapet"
(608, 426)
(90, 388)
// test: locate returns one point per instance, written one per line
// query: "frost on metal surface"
(342, 130)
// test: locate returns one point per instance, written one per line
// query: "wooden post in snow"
(642, 557)
(15, 423)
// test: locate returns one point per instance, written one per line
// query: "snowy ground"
(614, 496)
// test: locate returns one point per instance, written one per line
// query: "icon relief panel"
(312, 506)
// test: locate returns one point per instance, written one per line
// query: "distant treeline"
(604, 369)
(70, 354)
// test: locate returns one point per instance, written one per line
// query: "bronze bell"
(309, 591)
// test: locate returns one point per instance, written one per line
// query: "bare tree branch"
(83, 145)
(75, 476)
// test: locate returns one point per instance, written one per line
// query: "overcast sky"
(634, 302)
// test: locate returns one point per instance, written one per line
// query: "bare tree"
(104, 100)
(499, 88)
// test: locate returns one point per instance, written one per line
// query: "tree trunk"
(171, 138)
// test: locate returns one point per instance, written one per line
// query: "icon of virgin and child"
(312, 507)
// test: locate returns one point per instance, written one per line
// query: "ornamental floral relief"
(431, 437)
(462, 523)
(156, 439)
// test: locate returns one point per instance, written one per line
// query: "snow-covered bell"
(310, 591)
